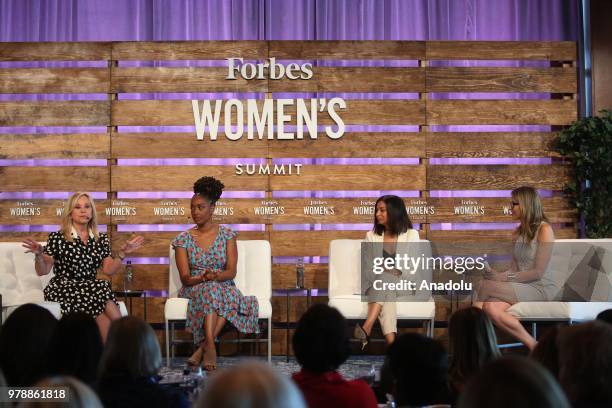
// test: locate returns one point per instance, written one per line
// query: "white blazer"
(409, 236)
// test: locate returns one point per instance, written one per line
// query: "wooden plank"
(8, 236)
(146, 277)
(501, 112)
(491, 177)
(358, 144)
(155, 307)
(54, 80)
(315, 210)
(46, 113)
(309, 243)
(163, 113)
(180, 178)
(465, 210)
(348, 50)
(375, 112)
(472, 237)
(189, 50)
(355, 79)
(493, 79)
(180, 113)
(490, 144)
(177, 211)
(157, 244)
(315, 276)
(260, 211)
(41, 212)
(55, 51)
(352, 177)
(60, 178)
(161, 79)
(55, 146)
(183, 145)
(501, 50)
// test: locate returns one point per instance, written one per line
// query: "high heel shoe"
(361, 335)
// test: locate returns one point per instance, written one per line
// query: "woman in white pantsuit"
(391, 225)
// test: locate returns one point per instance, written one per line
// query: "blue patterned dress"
(222, 298)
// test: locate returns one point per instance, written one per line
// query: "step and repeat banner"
(304, 134)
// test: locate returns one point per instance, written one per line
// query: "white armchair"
(345, 286)
(19, 283)
(568, 312)
(253, 278)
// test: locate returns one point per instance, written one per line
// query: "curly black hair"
(320, 341)
(208, 187)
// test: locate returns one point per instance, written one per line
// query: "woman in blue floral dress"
(206, 257)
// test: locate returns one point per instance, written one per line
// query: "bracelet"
(512, 276)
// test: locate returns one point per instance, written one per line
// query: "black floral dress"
(74, 285)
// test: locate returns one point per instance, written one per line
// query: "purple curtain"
(149, 20)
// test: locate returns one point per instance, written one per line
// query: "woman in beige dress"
(526, 279)
(391, 226)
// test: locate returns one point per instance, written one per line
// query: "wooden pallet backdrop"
(114, 77)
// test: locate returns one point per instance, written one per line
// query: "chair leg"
(534, 328)
(167, 345)
(269, 340)
(171, 341)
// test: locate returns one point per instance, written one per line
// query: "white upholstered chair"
(567, 312)
(253, 278)
(19, 283)
(345, 286)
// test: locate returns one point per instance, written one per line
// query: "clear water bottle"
(299, 273)
(128, 277)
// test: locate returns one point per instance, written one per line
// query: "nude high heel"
(361, 335)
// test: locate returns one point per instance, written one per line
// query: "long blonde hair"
(532, 212)
(67, 217)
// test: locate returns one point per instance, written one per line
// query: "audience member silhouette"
(546, 351)
(24, 341)
(250, 385)
(472, 344)
(129, 366)
(510, 383)
(80, 395)
(76, 348)
(321, 345)
(585, 364)
(419, 367)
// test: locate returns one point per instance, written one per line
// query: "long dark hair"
(472, 344)
(397, 216)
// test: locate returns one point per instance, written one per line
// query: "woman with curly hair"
(206, 257)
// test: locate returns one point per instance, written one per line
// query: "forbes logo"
(270, 68)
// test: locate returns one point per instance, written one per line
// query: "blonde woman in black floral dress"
(75, 253)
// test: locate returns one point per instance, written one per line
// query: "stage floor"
(354, 367)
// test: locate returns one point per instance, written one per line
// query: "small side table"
(288, 325)
(131, 294)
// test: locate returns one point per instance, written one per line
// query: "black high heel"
(361, 335)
